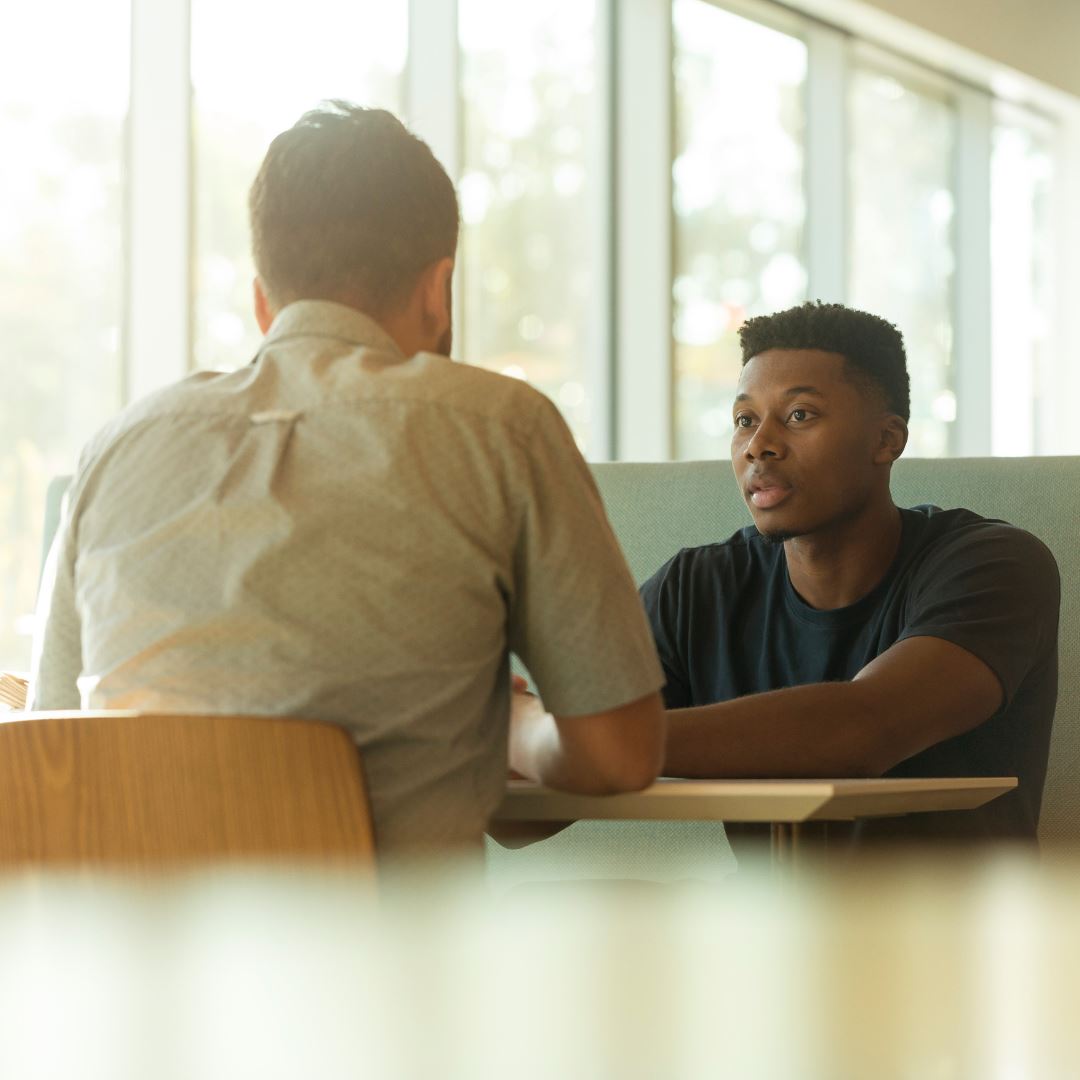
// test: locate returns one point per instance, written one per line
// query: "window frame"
(158, 186)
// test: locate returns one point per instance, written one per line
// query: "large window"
(529, 197)
(353, 51)
(902, 260)
(636, 178)
(63, 98)
(738, 204)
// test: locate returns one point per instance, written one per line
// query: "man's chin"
(777, 534)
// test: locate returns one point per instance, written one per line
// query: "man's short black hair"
(349, 205)
(873, 347)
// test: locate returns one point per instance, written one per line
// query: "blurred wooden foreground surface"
(147, 789)
(910, 971)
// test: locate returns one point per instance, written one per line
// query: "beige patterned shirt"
(340, 533)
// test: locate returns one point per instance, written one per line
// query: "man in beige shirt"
(355, 528)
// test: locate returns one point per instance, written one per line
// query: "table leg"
(777, 842)
(785, 842)
(798, 845)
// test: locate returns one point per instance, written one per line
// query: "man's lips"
(766, 492)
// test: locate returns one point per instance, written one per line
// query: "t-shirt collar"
(858, 611)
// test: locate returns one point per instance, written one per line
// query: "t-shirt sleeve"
(662, 598)
(575, 618)
(994, 590)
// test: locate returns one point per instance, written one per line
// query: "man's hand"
(601, 753)
(517, 834)
(519, 702)
(596, 754)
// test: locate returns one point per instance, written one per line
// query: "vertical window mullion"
(644, 417)
(827, 189)
(433, 100)
(157, 329)
(972, 290)
(602, 373)
(1064, 345)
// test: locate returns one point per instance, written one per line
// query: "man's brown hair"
(350, 206)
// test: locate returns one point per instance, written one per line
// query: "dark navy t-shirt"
(727, 622)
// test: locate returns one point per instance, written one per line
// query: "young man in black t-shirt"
(840, 635)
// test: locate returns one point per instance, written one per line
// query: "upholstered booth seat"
(656, 509)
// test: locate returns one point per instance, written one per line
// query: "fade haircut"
(350, 206)
(872, 347)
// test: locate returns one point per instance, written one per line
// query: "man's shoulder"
(962, 533)
(742, 556)
(743, 544)
(957, 550)
(176, 399)
(483, 391)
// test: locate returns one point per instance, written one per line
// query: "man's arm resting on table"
(597, 754)
(918, 692)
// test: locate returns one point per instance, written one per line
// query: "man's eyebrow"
(791, 391)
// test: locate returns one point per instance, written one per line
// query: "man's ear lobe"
(264, 313)
(894, 437)
(436, 292)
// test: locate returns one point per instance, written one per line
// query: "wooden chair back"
(147, 789)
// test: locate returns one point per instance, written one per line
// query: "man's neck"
(835, 568)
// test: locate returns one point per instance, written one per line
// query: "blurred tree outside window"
(253, 76)
(739, 206)
(63, 102)
(902, 262)
(529, 268)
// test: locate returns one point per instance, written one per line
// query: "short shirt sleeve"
(663, 601)
(994, 590)
(576, 620)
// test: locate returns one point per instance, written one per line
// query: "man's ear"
(435, 295)
(894, 437)
(264, 313)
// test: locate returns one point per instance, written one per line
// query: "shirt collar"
(325, 318)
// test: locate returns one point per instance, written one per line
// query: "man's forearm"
(535, 748)
(598, 754)
(825, 729)
(917, 693)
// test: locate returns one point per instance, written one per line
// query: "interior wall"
(1040, 38)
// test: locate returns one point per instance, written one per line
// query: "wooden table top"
(755, 800)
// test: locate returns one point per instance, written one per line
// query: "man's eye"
(799, 415)
(742, 420)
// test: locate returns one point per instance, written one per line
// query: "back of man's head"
(349, 206)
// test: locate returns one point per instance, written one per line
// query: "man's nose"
(766, 442)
